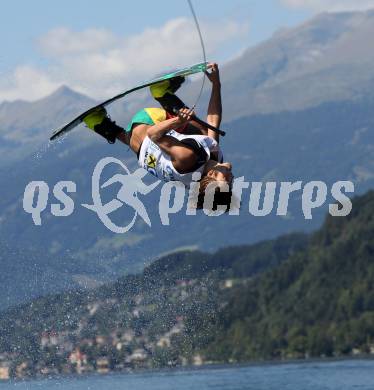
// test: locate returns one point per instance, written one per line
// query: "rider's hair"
(220, 198)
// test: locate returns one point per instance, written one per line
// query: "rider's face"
(221, 172)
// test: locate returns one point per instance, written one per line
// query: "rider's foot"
(95, 118)
(99, 122)
(166, 87)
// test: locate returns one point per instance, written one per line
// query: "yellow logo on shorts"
(151, 161)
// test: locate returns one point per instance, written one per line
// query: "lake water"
(343, 375)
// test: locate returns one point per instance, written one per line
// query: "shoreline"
(191, 368)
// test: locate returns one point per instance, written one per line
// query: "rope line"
(202, 46)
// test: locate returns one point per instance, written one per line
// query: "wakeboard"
(197, 68)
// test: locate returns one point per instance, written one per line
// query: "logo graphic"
(131, 185)
(151, 161)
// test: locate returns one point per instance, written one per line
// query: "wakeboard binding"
(100, 123)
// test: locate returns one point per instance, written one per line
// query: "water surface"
(342, 375)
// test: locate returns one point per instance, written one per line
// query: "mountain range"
(297, 107)
(329, 58)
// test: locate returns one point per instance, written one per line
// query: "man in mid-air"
(169, 144)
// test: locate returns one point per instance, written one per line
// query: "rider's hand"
(213, 75)
(185, 115)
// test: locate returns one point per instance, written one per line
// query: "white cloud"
(62, 41)
(330, 5)
(26, 83)
(98, 63)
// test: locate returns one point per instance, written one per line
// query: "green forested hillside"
(319, 302)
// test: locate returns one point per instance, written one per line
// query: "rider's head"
(216, 179)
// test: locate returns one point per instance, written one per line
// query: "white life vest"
(159, 164)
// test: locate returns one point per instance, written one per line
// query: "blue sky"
(20, 30)
(98, 47)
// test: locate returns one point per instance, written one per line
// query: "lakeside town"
(87, 349)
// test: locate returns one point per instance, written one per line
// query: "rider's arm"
(214, 116)
(157, 131)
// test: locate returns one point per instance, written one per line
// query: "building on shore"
(4, 372)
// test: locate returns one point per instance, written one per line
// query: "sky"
(101, 48)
